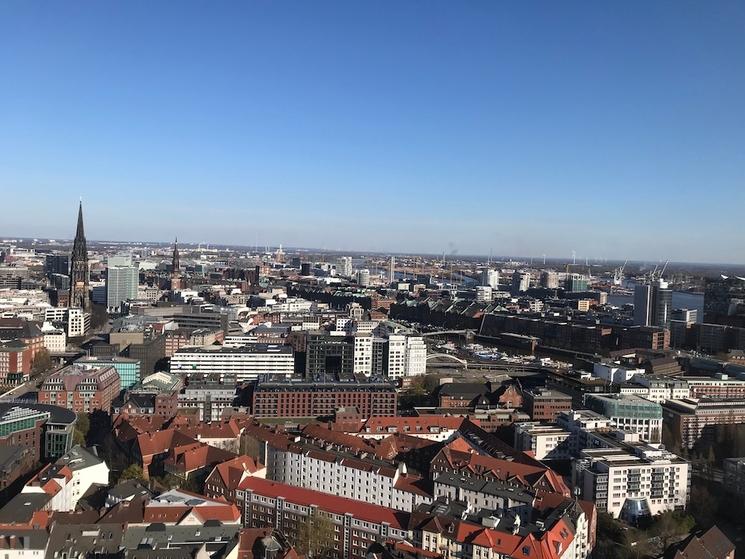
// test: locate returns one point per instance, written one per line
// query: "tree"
(133, 471)
(315, 537)
(670, 526)
(42, 362)
(78, 438)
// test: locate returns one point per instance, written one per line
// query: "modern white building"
(244, 363)
(630, 412)
(407, 356)
(615, 372)
(77, 321)
(363, 354)
(490, 278)
(543, 441)
(363, 277)
(632, 481)
(344, 266)
(484, 294)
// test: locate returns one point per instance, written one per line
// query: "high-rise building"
(392, 270)
(490, 278)
(550, 279)
(363, 277)
(57, 264)
(121, 281)
(653, 304)
(79, 267)
(576, 282)
(724, 301)
(344, 266)
(520, 281)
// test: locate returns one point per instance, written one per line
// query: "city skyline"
(467, 130)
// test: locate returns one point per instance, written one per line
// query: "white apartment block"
(363, 354)
(360, 479)
(484, 294)
(245, 363)
(407, 356)
(543, 441)
(633, 481)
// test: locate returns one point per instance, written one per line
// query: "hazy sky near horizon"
(616, 129)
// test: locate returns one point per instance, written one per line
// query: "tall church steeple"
(79, 267)
(175, 268)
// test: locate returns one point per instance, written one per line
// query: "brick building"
(357, 524)
(690, 420)
(317, 399)
(545, 405)
(81, 390)
(15, 362)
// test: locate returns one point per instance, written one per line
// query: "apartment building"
(357, 524)
(632, 481)
(361, 478)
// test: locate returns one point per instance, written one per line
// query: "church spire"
(79, 267)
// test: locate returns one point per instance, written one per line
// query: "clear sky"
(616, 129)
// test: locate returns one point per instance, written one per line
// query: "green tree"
(133, 471)
(42, 362)
(315, 537)
(78, 438)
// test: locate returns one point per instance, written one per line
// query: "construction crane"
(618, 274)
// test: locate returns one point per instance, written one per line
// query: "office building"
(657, 388)
(632, 482)
(15, 362)
(80, 389)
(576, 283)
(244, 363)
(543, 404)
(653, 304)
(46, 431)
(520, 281)
(122, 278)
(688, 316)
(724, 301)
(490, 278)
(630, 413)
(57, 264)
(550, 279)
(293, 399)
(363, 277)
(128, 369)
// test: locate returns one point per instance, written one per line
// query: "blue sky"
(616, 129)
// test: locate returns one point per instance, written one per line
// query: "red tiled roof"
(232, 471)
(327, 502)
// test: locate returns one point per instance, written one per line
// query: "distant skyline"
(615, 130)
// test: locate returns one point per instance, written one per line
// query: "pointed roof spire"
(80, 232)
